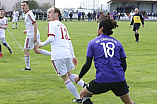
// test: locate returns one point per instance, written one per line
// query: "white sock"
(27, 62)
(44, 52)
(72, 78)
(70, 86)
(13, 25)
(84, 99)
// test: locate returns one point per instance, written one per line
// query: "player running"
(33, 36)
(136, 20)
(3, 25)
(110, 64)
(15, 17)
(62, 53)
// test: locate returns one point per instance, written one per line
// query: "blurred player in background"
(15, 16)
(62, 53)
(110, 64)
(33, 36)
(136, 22)
(3, 25)
(132, 13)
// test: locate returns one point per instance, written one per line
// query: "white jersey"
(61, 45)
(15, 14)
(131, 15)
(29, 20)
(3, 22)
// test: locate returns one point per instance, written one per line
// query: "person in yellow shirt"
(136, 22)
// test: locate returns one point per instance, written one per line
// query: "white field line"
(15, 40)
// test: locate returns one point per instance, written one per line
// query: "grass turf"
(41, 85)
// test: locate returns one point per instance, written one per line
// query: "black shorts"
(118, 88)
(136, 26)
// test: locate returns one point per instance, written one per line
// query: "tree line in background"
(34, 5)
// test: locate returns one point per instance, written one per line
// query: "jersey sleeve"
(6, 21)
(32, 18)
(132, 21)
(51, 29)
(89, 50)
(142, 19)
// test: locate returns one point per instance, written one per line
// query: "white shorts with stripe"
(29, 44)
(62, 66)
(2, 34)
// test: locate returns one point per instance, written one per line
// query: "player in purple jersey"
(110, 62)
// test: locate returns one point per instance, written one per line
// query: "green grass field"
(41, 85)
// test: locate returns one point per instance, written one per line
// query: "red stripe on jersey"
(55, 66)
(31, 18)
(27, 11)
(27, 41)
(6, 22)
(50, 34)
(48, 27)
(67, 82)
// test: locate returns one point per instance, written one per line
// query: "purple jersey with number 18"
(107, 53)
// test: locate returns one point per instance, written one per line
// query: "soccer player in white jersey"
(15, 17)
(33, 36)
(3, 25)
(62, 53)
(132, 13)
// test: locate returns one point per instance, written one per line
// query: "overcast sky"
(72, 3)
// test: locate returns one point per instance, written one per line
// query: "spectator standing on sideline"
(98, 15)
(115, 15)
(45, 15)
(83, 14)
(136, 22)
(79, 16)
(62, 53)
(89, 16)
(71, 16)
(94, 16)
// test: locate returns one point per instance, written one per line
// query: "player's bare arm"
(4, 27)
(35, 32)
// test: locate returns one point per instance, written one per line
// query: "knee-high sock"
(44, 52)
(137, 37)
(13, 25)
(86, 100)
(72, 78)
(27, 61)
(70, 86)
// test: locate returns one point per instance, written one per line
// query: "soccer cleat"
(1, 55)
(16, 27)
(26, 69)
(77, 100)
(13, 28)
(10, 50)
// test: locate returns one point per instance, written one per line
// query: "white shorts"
(15, 20)
(62, 66)
(2, 34)
(29, 44)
